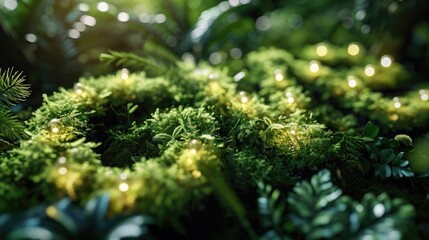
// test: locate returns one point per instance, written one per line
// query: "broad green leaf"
(371, 130)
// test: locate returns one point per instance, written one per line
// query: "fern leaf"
(10, 127)
(271, 211)
(126, 59)
(319, 211)
(12, 88)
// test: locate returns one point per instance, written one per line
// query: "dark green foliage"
(65, 220)
(271, 211)
(13, 90)
(11, 127)
(319, 211)
(388, 154)
(246, 168)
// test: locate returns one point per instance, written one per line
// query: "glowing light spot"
(360, 15)
(234, 3)
(54, 125)
(123, 187)
(314, 66)
(30, 37)
(78, 88)
(103, 7)
(196, 174)
(123, 176)
(352, 82)
(423, 95)
(379, 210)
(124, 73)
(215, 58)
(290, 98)
(365, 29)
(62, 171)
(236, 53)
(88, 20)
(278, 75)
(83, 7)
(353, 49)
(240, 75)
(244, 97)
(62, 160)
(123, 17)
(394, 117)
(144, 17)
(293, 128)
(321, 50)
(369, 70)
(160, 18)
(263, 23)
(73, 33)
(386, 61)
(396, 102)
(10, 4)
(194, 145)
(79, 26)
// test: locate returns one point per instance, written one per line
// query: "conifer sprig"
(12, 88)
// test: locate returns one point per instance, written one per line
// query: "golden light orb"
(314, 66)
(369, 70)
(353, 49)
(386, 61)
(321, 50)
(123, 187)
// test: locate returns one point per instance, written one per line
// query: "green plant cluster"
(165, 143)
(317, 209)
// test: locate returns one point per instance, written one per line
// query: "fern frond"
(131, 60)
(10, 127)
(12, 88)
(319, 211)
(271, 212)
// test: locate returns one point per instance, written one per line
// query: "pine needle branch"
(131, 60)
(12, 88)
(10, 126)
(162, 53)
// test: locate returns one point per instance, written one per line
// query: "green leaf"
(371, 130)
(387, 155)
(34, 232)
(382, 170)
(343, 218)
(131, 108)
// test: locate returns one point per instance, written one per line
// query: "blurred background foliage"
(56, 41)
